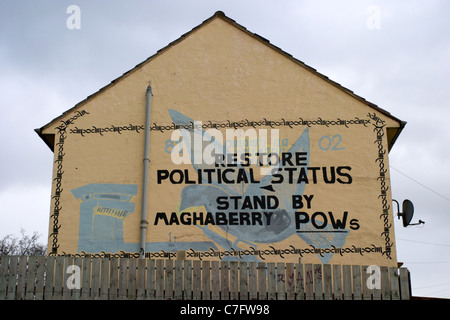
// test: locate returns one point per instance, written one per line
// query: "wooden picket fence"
(62, 278)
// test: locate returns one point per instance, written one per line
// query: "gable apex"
(48, 139)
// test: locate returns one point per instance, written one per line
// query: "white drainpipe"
(144, 222)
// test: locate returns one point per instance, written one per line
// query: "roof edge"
(397, 134)
(42, 136)
(221, 15)
(309, 68)
(130, 71)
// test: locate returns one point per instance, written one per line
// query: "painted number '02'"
(327, 143)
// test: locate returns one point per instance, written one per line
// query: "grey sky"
(401, 64)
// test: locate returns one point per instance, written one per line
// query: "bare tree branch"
(23, 245)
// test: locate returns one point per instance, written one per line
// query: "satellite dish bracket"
(409, 205)
(399, 214)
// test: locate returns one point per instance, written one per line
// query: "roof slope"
(392, 134)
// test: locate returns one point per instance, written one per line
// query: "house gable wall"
(226, 79)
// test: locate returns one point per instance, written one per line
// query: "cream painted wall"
(219, 74)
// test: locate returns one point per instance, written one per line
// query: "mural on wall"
(324, 196)
(238, 213)
(226, 199)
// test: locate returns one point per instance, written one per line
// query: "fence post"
(123, 278)
(197, 280)
(77, 261)
(356, 272)
(385, 287)
(22, 277)
(49, 277)
(243, 286)
(318, 287)
(104, 279)
(327, 282)
(206, 280)
(347, 282)
(395, 293)
(67, 292)
(290, 281)
(132, 279)
(59, 278)
(178, 288)
(215, 280)
(159, 280)
(281, 281)
(252, 281)
(376, 291)
(224, 280)
(95, 279)
(113, 278)
(366, 291)
(4, 261)
(234, 280)
(187, 285)
(39, 283)
(11, 293)
(337, 282)
(86, 276)
(405, 288)
(150, 272)
(309, 281)
(31, 278)
(299, 282)
(169, 279)
(262, 281)
(271, 281)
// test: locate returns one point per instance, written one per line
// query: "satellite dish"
(407, 213)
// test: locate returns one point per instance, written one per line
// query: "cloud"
(402, 67)
(27, 208)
